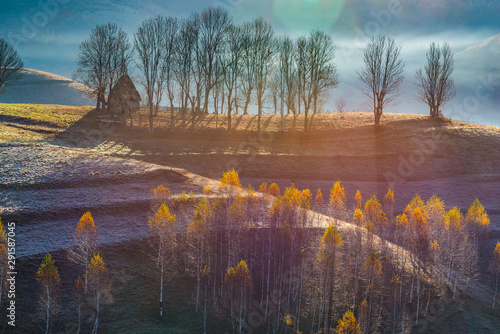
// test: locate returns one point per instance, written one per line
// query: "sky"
(47, 34)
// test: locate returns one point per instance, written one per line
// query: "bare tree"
(434, 82)
(183, 60)
(382, 74)
(10, 62)
(214, 22)
(231, 67)
(103, 58)
(171, 34)
(264, 48)
(287, 75)
(149, 45)
(340, 105)
(317, 74)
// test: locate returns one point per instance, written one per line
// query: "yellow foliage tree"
(374, 214)
(163, 224)
(337, 200)
(85, 240)
(98, 285)
(318, 200)
(358, 199)
(274, 190)
(48, 279)
(348, 324)
(230, 181)
(477, 219)
(160, 195)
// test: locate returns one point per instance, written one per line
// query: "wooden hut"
(124, 99)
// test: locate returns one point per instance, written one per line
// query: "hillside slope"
(37, 87)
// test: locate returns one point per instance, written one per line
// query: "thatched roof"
(124, 89)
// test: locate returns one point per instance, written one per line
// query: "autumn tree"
(382, 74)
(98, 286)
(434, 82)
(160, 195)
(198, 230)
(274, 190)
(374, 215)
(162, 225)
(230, 182)
(86, 242)
(48, 280)
(388, 205)
(238, 283)
(358, 199)
(477, 220)
(348, 324)
(10, 62)
(337, 201)
(330, 242)
(495, 269)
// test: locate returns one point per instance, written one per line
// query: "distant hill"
(37, 87)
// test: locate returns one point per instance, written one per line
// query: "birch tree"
(99, 287)
(162, 225)
(48, 280)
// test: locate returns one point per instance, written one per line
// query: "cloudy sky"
(47, 34)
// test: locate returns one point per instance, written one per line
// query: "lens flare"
(306, 15)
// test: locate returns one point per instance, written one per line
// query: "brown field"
(58, 162)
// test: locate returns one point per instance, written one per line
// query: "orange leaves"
(205, 272)
(374, 213)
(434, 246)
(230, 179)
(47, 275)
(453, 219)
(358, 199)
(436, 209)
(263, 187)
(401, 220)
(162, 220)
(239, 276)
(318, 200)
(274, 190)
(358, 217)
(331, 237)
(348, 324)
(477, 218)
(496, 251)
(337, 199)
(97, 274)
(86, 225)
(160, 195)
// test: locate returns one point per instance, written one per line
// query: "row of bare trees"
(207, 58)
